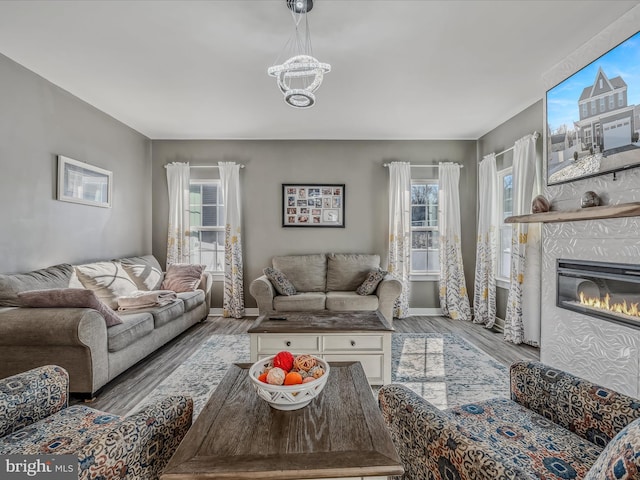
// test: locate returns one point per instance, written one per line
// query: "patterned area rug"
(446, 370)
(442, 368)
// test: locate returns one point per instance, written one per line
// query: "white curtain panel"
(400, 232)
(484, 294)
(454, 300)
(233, 298)
(178, 236)
(522, 322)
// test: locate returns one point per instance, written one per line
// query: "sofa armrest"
(30, 396)
(428, 441)
(74, 338)
(206, 285)
(138, 446)
(262, 290)
(388, 291)
(595, 413)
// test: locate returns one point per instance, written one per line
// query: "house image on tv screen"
(604, 138)
(606, 121)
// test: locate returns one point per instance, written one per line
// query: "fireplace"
(609, 291)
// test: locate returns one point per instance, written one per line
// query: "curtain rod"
(204, 166)
(535, 137)
(424, 166)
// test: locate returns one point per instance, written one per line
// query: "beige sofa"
(78, 339)
(326, 282)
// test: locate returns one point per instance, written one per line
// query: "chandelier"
(301, 75)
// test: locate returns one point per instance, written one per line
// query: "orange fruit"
(293, 378)
(263, 377)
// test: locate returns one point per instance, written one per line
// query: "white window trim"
(423, 276)
(503, 282)
(215, 274)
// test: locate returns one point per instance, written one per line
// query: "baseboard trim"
(248, 312)
(432, 312)
(253, 312)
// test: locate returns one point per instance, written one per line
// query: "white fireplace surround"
(601, 351)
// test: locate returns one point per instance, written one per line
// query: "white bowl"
(287, 397)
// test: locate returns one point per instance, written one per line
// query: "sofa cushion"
(64, 432)
(371, 282)
(134, 326)
(346, 272)
(532, 442)
(145, 271)
(300, 302)
(57, 276)
(350, 301)
(307, 273)
(182, 277)
(69, 298)
(279, 281)
(166, 313)
(107, 279)
(191, 299)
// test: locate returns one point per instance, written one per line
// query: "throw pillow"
(371, 283)
(144, 270)
(280, 281)
(68, 298)
(182, 277)
(108, 280)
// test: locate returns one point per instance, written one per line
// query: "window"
(505, 202)
(602, 104)
(585, 110)
(611, 102)
(424, 227)
(207, 224)
(620, 99)
(593, 107)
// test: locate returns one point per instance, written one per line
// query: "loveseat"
(327, 282)
(554, 426)
(79, 339)
(36, 420)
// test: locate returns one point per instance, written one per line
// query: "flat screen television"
(593, 117)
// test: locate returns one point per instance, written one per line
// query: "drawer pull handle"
(353, 343)
(288, 343)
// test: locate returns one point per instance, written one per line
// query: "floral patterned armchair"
(35, 419)
(555, 426)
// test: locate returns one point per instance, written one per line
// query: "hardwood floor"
(125, 391)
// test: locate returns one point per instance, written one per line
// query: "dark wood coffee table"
(340, 434)
(334, 336)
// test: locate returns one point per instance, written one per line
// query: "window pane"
(433, 260)
(418, 261)
(195, 216)
(507, 202)
(432, 194)
(209, 194)
(209, 216)
(418, 216)
(419, 240)
(504, 255)
(418, 194)
(434, 240)
(433, 216)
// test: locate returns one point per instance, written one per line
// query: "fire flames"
(624, 308)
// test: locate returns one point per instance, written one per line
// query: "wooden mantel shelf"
(590, 213)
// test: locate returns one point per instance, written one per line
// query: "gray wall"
(501, 138)
(358, 164)
(38, 121)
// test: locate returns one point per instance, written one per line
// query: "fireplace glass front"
(609, 291)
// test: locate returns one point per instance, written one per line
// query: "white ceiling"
(401, 69)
